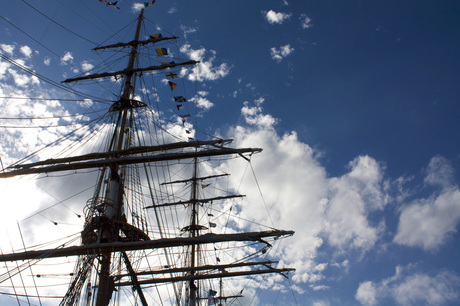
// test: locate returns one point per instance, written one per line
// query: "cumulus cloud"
(7, 48)
(298, 191)
(428, 222)
(352, 197)
(26, 51)
(320, 303)
(253, 115)
(406, 288)
(305, 21)
(273, 17)
(440, 172)
(367, 293)
(205, 70)
(137, 7)
(201, 101)
(282, 52)
(20, 79)
(187, 30)
(86, 66)
(68, 57)
(47, 61)
(17, 141)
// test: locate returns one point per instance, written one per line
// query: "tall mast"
(128, 88)
(193, 231)
(116, 186)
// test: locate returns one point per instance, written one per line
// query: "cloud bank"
(345, 213)
(429, 222)
(299, 195)
(408, 288)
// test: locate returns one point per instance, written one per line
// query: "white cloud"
(86, 103)
(352, 197)
(137, 7)
(86, 66)
(288, 165)
(440, 172)
(297, 191)
(254, 116)
(205, 70)
(26, 51)
(305, 21)
(273, 17)
(68, 57)
(47, 60)
(20, 80)
(7, 48)
(201, 101)
(4, 69)
(17, 142)
(282, 52)
(366, 294)
(411, 289)
(428, 222)
(187, 30)
(421, 288)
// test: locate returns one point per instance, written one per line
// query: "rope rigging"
(121, 128)
(58, 24)
(45, 79)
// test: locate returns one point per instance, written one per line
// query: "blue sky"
(356, 106)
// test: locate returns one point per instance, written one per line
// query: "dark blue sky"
(371, 89)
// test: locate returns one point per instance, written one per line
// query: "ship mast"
(194, 231)
(103, 293)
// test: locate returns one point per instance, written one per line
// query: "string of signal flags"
(170, 76)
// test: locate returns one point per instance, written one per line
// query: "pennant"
(212, 292)
(112, 4)
(211, 224)
(203, 186)
(178, 106)
(171, 75)
(147, 4)
(179, 99)
(156, 36)
(185, 116)
(161, 51)
(172, 85)
(104, 1)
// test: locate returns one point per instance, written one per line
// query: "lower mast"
(194, 230)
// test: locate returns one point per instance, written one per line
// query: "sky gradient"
(355, 103)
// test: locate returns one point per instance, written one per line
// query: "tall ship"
(160, 226)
